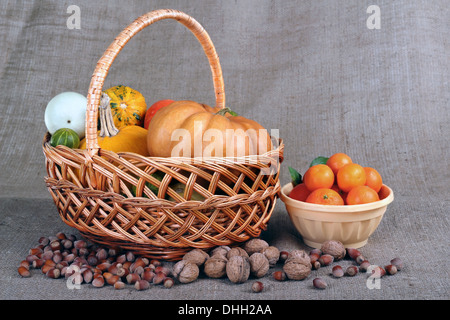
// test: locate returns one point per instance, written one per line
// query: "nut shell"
(272, 254)
(215, 267)
(237, 251)
(300, 255)
(238, 269)
(255, 245)
(196, 256)
(185, 271)
(259, 265)
(296, 269)
(334, 248)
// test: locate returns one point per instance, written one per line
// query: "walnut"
(334, 248)
(296, 269)
(238, 269)
(259, 265)
(215, 267)
(255, 245)
(300, 255)
(221, 250)
(196, 256)
(185, 271)
(237, 251)
(272, 254)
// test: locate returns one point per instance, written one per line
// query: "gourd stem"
(107, 127)
(224, 111)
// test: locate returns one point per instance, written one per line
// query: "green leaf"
(319, 160)
(295, 176)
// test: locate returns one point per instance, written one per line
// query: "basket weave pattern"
(106, 195)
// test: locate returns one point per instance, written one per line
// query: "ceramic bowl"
(350, 224)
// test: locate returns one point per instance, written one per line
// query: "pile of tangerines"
(337, 180)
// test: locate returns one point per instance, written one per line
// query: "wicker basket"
(92, 188)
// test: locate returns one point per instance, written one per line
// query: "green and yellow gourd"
(129, 138)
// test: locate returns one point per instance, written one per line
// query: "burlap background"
(311, 69)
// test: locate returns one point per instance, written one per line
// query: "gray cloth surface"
(311, 69)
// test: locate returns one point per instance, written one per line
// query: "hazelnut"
(296, 269)
(337, 272)
(98, 282)
(142, 285)
(326, 260)
(364, 266)
(215, 267)
(272, 254)
(377, 271)
(284, 255)
(319, 283)
(185, 271)
(390, 269)
(255, 245)
(168, 282)
(279, 275)
(359, 259)
(353, 253)
(259, 265)
(237, 251)
(24, 272)
(119, 285)
(238, 269)
(397, 263)
(257, 286)
(196, 256)
(351, 271)
(334, 248)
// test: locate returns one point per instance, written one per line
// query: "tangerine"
(337, 161)
(373, 179)
(349, 176)
(325, 196)
(362, 194)
(318, 176)
(300, 192)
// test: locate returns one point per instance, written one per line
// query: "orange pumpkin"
(190, 129)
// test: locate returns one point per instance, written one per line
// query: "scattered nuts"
(98, 281)
(168, 282)
(119, 285)
(53, 273)
(351, 271)
(272, 254)
(238, 269)
(255, 245)
(319, 283)
(326, 260)
(296, 269)
(279, 275)
(159, 278)
(337, 272)
(185, 271)
(237, 251)
(24, 272)
(334, 248)
(142, 285)
(364, 266)
(259, 265)
(284, 255)
(257, 286)
(397, 262)
(196, 256)
(390, 269)
(215, 267)
(353, 253)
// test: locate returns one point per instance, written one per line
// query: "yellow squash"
(128, 106)
(130, 138)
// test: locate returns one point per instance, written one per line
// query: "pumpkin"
(127, 105)
(66, 137)
(126, 139)
(190, 129)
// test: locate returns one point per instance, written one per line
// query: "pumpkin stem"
(107, 127)
(224, 111)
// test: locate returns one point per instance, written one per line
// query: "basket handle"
(103, 65)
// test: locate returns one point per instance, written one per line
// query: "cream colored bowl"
(350, 224)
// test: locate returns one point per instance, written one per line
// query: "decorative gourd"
(126, 139)
(128, 106)
(189, 129)
(66, 137)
